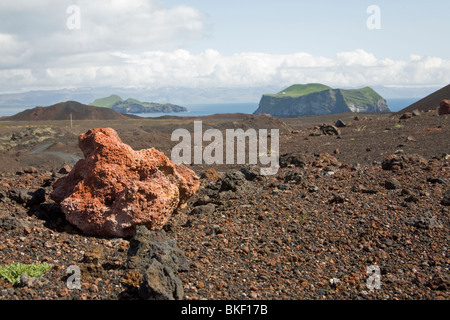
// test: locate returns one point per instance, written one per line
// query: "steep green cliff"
(318, 99)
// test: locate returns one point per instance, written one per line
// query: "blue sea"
(398, 104)
(196, 110)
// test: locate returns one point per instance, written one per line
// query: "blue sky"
(45, 44)
(324, 27)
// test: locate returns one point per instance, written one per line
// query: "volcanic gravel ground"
(306, 233)
(309, 232)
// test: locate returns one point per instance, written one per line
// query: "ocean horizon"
(198, 110)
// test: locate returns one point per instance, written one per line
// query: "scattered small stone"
(406, 115)
(30, 170)
(10, 223)
(436, 180)
(411, 198)
(334, 282)
(446, 200)
(439, 282)
(131, 278)
(233, 181)
(416, 113)
(340, 124)
(328, 129)
(65, 170)
(336, 199)
(160, 283)
(424, 221)
(392, 184)
(369, 191)
(214, 230)
(26, 280)
(206, 209)
(27, 197)
(444, 107)
(209, 174)
(252, 172)
(297, 159)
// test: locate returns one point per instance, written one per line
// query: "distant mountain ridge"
(319, 99)
(178, 95)
(131, 105)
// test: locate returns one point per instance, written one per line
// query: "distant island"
(319, 99)
(131, 105)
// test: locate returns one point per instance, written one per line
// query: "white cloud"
(210, 68)
(105, 26)
(137, 43)
(13, 52)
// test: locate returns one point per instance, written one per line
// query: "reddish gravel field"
(374, 198)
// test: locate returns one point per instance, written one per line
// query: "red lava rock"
(115, 188)
(209, 174)
(396, 162)
(444, 107)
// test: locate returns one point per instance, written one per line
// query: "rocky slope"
(320, 100)
(430, 102)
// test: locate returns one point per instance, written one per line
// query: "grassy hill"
(131, 105)
(107, 102)
(360, 96)
(298, 90)
(316, 99)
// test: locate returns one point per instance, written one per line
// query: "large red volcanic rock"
(116, 188)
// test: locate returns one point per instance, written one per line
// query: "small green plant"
(360, 128)
(13, 271)
(302, 217)
(398, 126)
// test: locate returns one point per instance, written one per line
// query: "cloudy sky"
(50, 44)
